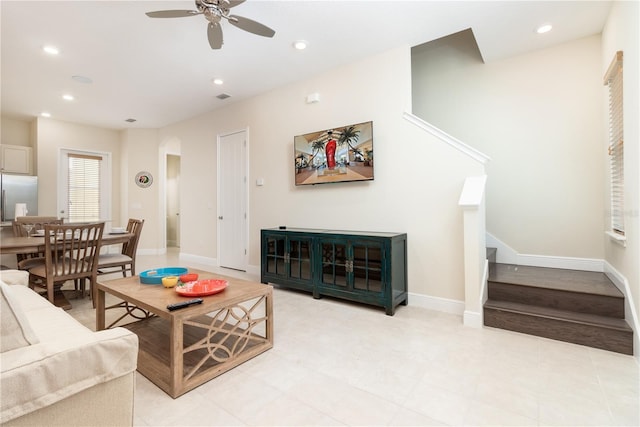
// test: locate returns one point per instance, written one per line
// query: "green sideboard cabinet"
(366, 267)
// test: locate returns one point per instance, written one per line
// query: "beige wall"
(621, 33)
(417, 179)
(539, 117)
(140, 153)
(54, 135)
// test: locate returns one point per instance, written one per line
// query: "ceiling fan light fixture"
(545, 28)
(51, 50)
(300, 44)
(218, 81)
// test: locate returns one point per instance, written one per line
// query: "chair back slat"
(38, 223)
(71, 250)
(134, 226)
(19, 230)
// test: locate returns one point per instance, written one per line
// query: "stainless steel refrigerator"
(18, 189)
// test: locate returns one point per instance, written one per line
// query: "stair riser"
(577, 333)
(582, 303)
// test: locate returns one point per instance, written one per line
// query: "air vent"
(130, 120)
(223, 96)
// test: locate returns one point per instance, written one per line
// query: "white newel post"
(472, 200)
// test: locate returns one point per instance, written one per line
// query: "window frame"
(613, 80)
(105, 181)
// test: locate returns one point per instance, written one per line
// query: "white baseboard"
(568, 263)
(630, 313)
(436, 303)
(472, 319)
(507, 255)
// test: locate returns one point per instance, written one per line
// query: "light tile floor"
(338, 363)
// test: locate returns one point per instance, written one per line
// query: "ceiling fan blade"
(251, 26)
(214, 34)
(172, 13)
(234, 3)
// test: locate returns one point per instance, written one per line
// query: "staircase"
(579, 307)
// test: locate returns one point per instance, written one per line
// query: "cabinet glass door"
(334, 264)
(367, 267)
(276, 255)
(300, 258)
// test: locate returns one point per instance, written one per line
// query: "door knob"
(220, 217)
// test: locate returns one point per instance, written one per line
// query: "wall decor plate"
(144, 179)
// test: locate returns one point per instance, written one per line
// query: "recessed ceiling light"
(218, 81)
(300, 44)
(544, 28)
(68, 97)
(45, 114)
(51, 50)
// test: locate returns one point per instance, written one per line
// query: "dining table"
(10, 244)
(35, 243)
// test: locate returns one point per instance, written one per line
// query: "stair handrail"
(475, 154)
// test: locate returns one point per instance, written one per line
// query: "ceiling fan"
(214, 11)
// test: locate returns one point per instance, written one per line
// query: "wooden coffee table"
(182, 349)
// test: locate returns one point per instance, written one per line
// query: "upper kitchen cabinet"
(16, 159)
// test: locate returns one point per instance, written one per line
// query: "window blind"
(613, 80)
(83, 187)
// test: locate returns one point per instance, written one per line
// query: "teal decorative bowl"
(154, 277)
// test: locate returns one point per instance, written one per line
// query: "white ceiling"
(160, 71)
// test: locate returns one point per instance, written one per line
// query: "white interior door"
(232, 200)
(173, 200)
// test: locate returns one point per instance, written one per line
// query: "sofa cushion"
(15, 330)
(39, 375)
(68, 359)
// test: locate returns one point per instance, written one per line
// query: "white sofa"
(55, 371)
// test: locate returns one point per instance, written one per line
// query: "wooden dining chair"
(71, 253)
(20, 229)
(126, 259)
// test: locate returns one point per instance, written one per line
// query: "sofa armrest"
(15, 277)
(41, 374)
